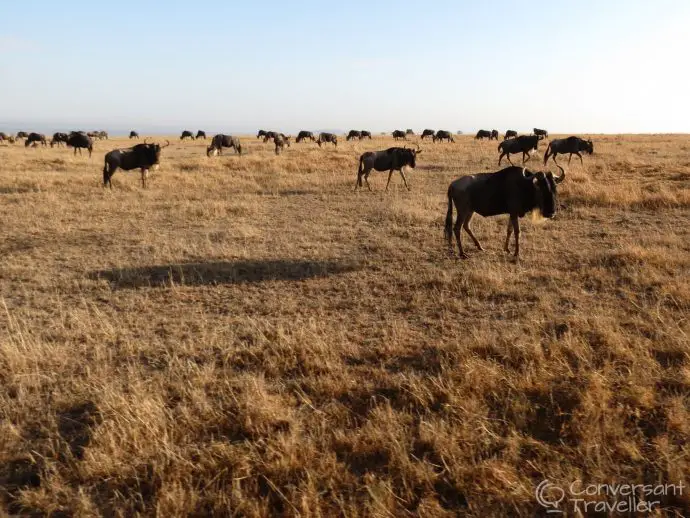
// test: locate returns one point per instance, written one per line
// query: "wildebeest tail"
(547, 154)
(106, 174)
(448, 230)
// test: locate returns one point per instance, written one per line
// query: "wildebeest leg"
(570, 158)
(516, 228)
(510, 232)
(462, 217)
(75, 151)
(366, 179)
(402, 173)
(144, 175)
(466, 226)
(524, 154)
(509, 160)
(390, 173)
(581, 162)
(501, 158)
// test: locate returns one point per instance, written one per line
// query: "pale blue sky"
(585, 66)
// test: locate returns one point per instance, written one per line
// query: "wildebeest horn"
(145, 139)
(167, 143)
(523, 171)
(559, 179)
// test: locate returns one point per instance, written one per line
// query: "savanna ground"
(250, 337)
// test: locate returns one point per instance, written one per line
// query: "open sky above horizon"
(585, 67)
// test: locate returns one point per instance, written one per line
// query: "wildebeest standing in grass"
(510, 134)
(142, 157)
(327, 137)
(261, 134)
(494, 135)
(281, 141)
(408, 131)
(35, 138)
(4, 137)
(443, 135)
(187, 134)
(22, 134)
(541, 133)
(218, 142)
(428, 133)
(399, 134)
(58, 138)
(201, 134)
(391, 159)
(513, 190)
(133, 134)
(365, 134)
(524, 144)
(571, 145)
(79, 140)
(304, 135)
(270, 135)
(102, 135)
(481, 134)
(354, 134)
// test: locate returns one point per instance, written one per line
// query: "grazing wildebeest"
(270, 135)
(541, 133)
(443, 135)
(494, 135)
(141, 156)
(187, 134)
(22, 134)
(102, 135)
(365, 134)
(93, 134)
(513, 190)
(58, 138)
(570, 145)
(481, 134)
(4, 137)
(261, 134)
(201, 134)
(304, 135)
(79, 140)
(134, 134)
(391, 159)
(327, 137)
(523, 144)
(280, 142)
(354, 134)
(35, 137)
(428, 133)
(510, 134)
(399, 134)
(408, 131)
(218, 142)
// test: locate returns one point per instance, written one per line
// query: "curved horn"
(167, 143)
(145, 139)
(523, 171)
(559, 179)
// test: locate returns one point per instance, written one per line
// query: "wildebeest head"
(545, 192)
(410, 156)
(589, 147)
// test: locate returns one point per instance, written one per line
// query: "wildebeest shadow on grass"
(235, 272)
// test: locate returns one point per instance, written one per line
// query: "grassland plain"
(250, 336)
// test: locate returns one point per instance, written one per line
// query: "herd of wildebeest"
(514, 190)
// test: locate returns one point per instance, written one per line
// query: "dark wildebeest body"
(443, 135)
(35, 137)
(512, 191)
(79, 141)
(391, 159)
(280, 142)
(524, 144)
(304, 135)
(102, 135)
(365, 134)
(541, 133)
(408, 131)
(261, 134)
(270, 135)
(354, 134)
(58, 138)
(327, 137)
(481, 134)
(187, 134)
(141, 156)
(134, 134)
(428, 133)
(399, 134)
(494, 135)
(570, 145)
(201, 134)
(218, 142)
(510, 134)
(22, 134)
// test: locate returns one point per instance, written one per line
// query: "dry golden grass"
(249, 336)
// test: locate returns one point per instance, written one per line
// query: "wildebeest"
(483, 134)
(22, 134)
(443, 135)
(304, 135)
(218, 142)
(541, 133)
(35, 137)
(270, 135)
(261, 134)
(513, 190)
(570, 145)
(102, 135)
(187, 134)
(391, 159)
(365, 134)
(408, 131)
(280, 142)
(58, 138)
(494, 135)
(134, 134)
(399, 134)
(510, 134)
(79, 140)
(354, 134)
(428, 133)
(327, 137)
(201, 134)
(141, 156)
(523, 144)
